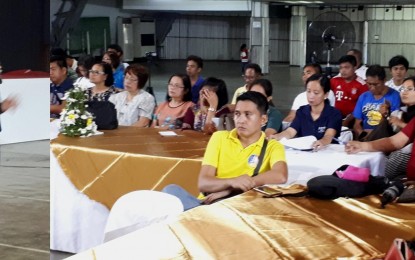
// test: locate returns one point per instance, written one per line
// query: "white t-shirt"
(392, 85)
(130, 112)
(84, 82)
(301, 100)
(361, 72)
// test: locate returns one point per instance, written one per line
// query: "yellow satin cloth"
(252, 227)
(105, 167)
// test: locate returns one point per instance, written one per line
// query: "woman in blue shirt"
(317, 118)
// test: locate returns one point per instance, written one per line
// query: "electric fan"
(329, 37)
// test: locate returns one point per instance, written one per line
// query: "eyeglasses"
(96, 72)
(131, 79)
(403, 89)
(249, 77)
(175, 85)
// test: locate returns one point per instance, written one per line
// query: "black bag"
(332, 187)
(104, 113)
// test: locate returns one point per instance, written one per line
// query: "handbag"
(401, 250)
(105, 114)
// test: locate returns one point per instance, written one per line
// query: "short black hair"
(316, 66)
(376, 71)
(197, 59)
(257, 98)
(59, 52)
(115, 59)
(255, 67)
(86, 60)
(348, 58)
(116, 47)
(60, 61)
(399, 60)
(265, 84)
(322, 79)
(220, 89)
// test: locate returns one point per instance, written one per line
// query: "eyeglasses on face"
(96, 72)
(403, 89)
(175, 85)
(131, 79)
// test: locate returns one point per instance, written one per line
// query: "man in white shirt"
(398, 67)
(301, 99)
(360, 68)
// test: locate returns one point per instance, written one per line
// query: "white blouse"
(130, 112)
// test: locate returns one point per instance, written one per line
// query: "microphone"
(391, 193)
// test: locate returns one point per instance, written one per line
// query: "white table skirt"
(78, 223)
(303, 166)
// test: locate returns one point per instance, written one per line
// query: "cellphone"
(270, 192)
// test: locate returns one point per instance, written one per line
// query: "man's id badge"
(253, 160)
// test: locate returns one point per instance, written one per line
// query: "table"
(303, 166)
(89, 174)
(30, 120)
(249, 226)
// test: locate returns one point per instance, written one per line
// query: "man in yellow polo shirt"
(232, 156)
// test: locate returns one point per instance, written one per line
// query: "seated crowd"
(378, 113)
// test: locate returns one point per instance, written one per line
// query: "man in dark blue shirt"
(60, 83)
(194, 67)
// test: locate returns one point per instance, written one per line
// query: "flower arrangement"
(75, 119)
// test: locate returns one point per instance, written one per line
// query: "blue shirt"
(367, 107)
(305, 125)
(119, 76)
(196, 89)
(57, 92)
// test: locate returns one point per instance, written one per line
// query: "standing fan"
(329, 36)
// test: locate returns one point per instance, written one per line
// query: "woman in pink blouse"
(169, 114)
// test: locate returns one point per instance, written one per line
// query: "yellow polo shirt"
(226, 153)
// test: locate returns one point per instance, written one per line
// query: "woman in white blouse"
(134, 106)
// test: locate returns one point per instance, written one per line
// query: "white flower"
(71, 100)
(84, 117)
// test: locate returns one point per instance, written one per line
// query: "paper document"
(301, 143)
(167, 133)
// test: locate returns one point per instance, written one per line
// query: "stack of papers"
(301, 143)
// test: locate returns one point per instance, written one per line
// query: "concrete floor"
(24, 167)
(24, 200)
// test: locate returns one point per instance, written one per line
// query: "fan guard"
(329, 37)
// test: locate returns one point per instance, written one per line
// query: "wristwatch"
(212, 109)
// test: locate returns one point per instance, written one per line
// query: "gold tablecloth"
(105, 167)
(251, 227)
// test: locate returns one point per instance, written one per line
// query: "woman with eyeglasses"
(101, 76)
(117, 68)
(169, 115)
(134, 106)
(85, 63)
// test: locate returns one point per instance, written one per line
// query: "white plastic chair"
(139, 209)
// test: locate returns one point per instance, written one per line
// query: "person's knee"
(172, 189)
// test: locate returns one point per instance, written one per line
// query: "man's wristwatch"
(212, 109)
